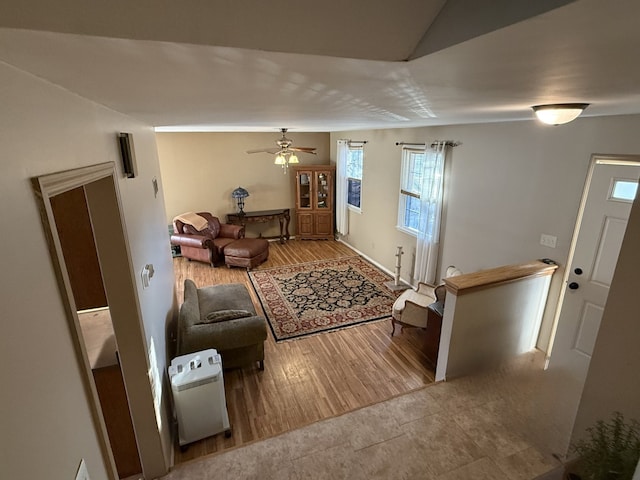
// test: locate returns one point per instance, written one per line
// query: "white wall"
(47, 425)
(482, 329)
(508, 183)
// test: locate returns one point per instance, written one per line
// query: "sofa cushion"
(239, 341)
(220, 244)
(211, 229)
(214, 226)
(228, 296)
(423, 299)
(222, 315)
(190, 230)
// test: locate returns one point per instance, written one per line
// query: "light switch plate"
(82, 474)
(548, 240)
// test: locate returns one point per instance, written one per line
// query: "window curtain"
(342, 213)
(431, 199)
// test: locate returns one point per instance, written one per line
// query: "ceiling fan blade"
(303, 149)
(284, 146)
(264, 150)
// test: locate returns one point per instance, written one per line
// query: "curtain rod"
(354, 141)
(448, 143)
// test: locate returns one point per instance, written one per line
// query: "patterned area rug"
(315, 297)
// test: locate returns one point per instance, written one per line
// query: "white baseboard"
(371, 260)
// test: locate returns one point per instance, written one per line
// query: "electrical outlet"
(83, 473)
(548, 240)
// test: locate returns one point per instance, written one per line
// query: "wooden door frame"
(103, 198)
(596, 159)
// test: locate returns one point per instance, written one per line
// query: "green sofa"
(221, 317)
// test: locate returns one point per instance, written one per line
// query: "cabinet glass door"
(322, 190)
(304, 190)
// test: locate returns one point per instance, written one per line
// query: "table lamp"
(240, 194)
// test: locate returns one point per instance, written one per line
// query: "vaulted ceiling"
(332, 65)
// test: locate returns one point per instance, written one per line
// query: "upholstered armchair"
(222, 317)
(410, 308)
(202, 237)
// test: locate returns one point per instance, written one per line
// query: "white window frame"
(408, 187)
(354, 175)
(622, 181)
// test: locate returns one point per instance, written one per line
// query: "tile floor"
(99, 339)
(504, 425)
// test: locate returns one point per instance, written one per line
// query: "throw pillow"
(222, 315)
(214, 226)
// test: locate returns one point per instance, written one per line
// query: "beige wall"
(508, 183)
(200, 170)
(47, 424)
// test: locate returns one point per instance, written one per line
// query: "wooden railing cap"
(470, 282)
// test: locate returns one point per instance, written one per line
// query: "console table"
(263, 216)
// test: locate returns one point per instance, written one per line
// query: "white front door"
(601, 225)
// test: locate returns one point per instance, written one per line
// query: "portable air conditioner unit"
(197, 385)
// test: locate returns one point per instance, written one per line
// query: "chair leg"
(260, 364)
(393, 326)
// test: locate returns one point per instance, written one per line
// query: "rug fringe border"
(331, 330)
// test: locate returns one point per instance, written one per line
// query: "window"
(354, 175)
(624, 190)
(410, 186)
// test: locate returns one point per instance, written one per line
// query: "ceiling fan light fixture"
(285, 153)
(559, 113)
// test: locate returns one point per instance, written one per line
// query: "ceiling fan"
(284, 152)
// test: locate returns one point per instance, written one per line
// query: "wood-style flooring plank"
(311, 378)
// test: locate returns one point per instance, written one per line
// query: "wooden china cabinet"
(315, 190)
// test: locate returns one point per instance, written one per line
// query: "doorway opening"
(96, 187)
(73, 226)
(610, 189)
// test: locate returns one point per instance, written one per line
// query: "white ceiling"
(324, 66)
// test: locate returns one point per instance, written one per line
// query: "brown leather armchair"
(205, 245)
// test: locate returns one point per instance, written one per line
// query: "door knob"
(574, 286)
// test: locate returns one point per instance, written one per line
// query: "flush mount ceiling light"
(559, 113)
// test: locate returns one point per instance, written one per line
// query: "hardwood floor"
(311, 378)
